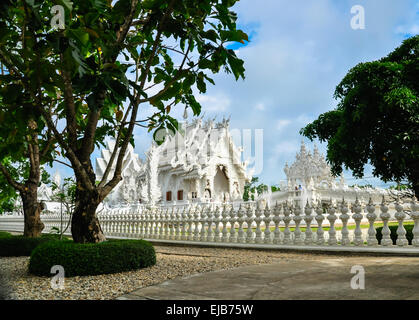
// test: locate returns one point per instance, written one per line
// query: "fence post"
(415, 216)
(344, 217)
(401, 231)
(308, 218)
(371, 216)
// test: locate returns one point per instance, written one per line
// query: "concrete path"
(322, 278)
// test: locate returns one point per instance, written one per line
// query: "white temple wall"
(176, 183)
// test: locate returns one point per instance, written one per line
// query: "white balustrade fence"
(249, 224)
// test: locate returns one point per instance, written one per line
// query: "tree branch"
(9, 64)
(70, 108)
(93, 118)
(123, 30)
(50, 141)
(62, 162)
(18, 186)
(114, 152)
(118, 169)
(140, 21)
(76, 165)
(175, 78)
(89, 135)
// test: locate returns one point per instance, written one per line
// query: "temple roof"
(132, 163)
(196, 146)
(308, 166)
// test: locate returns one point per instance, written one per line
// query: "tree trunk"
(32, 212)
(85, 226)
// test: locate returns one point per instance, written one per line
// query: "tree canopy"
(377, 118)
(25, 141)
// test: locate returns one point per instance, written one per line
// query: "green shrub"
(4, 234)
(393, 233)
(92, 258)
(15, 246)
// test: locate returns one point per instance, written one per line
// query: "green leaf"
(236, 65)
(211, 35)
(234, 35)
(200, 83)
(81, 36)
(68, 4)
(11, 93)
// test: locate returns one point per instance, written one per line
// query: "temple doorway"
(221, 184)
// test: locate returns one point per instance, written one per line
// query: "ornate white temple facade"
(310, 170)
(309, 179)
(199, 163)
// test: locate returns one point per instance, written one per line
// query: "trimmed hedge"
(4, 234)
(16, 246)
(92, 258)
(393, 233)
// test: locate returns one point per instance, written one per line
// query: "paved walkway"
(319, 278)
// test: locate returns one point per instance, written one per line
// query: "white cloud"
(303, 119)
(286, 147)
(214, 103)
(412, 29)
(282, 123)
(260, 107)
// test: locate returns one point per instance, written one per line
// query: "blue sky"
(298, 52)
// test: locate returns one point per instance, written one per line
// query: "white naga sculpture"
(199, 163)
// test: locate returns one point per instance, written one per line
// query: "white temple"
(199, 163)
(309, 179)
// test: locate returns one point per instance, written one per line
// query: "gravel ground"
(172, 262)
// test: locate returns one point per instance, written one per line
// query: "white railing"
(251, 225)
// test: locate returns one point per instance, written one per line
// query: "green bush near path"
(393, 233)
(4, 234)
(16, 246)
(92, 258)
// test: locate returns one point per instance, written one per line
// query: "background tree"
(170, 47)
(252, 188)
(25, 141)
(377, 118)
(65, 194)
(247, 189)
(275, 188)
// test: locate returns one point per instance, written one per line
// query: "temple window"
(180, 195)
(169, 196)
